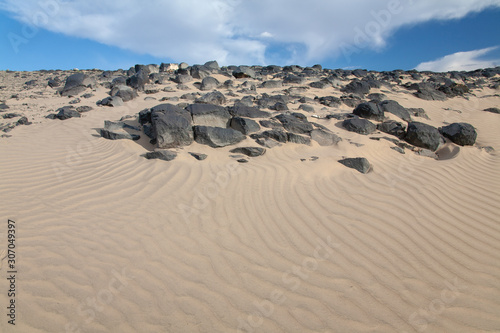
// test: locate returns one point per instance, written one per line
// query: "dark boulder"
(209, 115)
(23, 121)
(199, 156)
(172, 126)
(359, 163)
(330, 101)
(428, 92)
(111, 101)
(138, 80)
(242, 72)
(492, 110)
(359, 125)
(324, 137)
(393, 128)
(76, 84)
(295, 123)
(297, 138)
(112, 135)
(217, 137)
(209, 83)
(161, 154)
(357, 87)
(454, 89)
(182, 78)
(214, 97)
(423, 136)
(275, 134)
(124, 92)
(244, 125)
(213, 66)
(249, 151)
(462, 134)
(248, 112)
(67, 112)
(396, 109)
(369, 110)
(273, 84)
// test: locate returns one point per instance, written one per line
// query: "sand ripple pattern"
(121, 244)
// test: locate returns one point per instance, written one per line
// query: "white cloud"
(238, 31)
(460, 61)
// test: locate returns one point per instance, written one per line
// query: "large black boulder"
(244, 125)
(396, 109)
(295, 123)
(214, 97)
(248, 112)
(423, 136)
(393, 128)
(242, 72)
(217, 137)
(67, 112)
(209, 83)
(77, 83)
(209, 115)
(357, 87)
(126, 93)
(462, 134)
(369, 110)
(359, 125)
(138, 80)
(172, 126)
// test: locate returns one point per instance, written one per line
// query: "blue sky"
(378, 35)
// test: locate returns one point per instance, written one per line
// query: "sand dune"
(108, 241)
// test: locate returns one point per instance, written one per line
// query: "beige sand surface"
(108, 241)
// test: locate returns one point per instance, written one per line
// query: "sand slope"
(111, 242)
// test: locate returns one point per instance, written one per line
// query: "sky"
(442, 35)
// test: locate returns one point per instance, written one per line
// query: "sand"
(107, 241)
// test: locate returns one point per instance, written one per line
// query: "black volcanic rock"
(217, 137)
(249, 151)
(209, 83)
(172, 126)
(359, 125)
(324, 137)
(244, 125)
(248, 112)
(396, 109)
(113, 135)
(369, 110)
(76, 84)
(423, 136)
(209, 115)
(392, 127)
(357, 87)
(161, 154)
(294, 123)
(360, 164)
(462, 134)
(67, 112)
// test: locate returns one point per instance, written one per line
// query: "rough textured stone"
(325, 138)
(369, 111)
(392, 127)
(161, 154)
(217, 137)
(112, 135)
(358, 125)
(172, 126)
(396, 109)
(423, 135)
(462, 134)
(209, 115)
(244, 125)
(249, 151)
(359, 163)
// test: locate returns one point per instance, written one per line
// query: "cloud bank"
(460, 61)
(238, 31)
